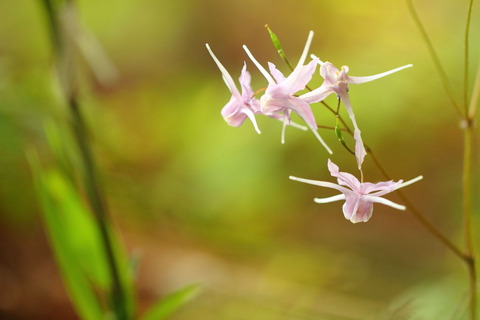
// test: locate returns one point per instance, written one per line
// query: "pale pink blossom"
(280, 95)
(241, 105)
(359, 196)
(338, 81)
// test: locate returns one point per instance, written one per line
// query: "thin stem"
(467, 172)
(433, 54)
(98, 205)
(465, 73)
(467, 216)
(416, 213)
(99, 208)
(475, 95)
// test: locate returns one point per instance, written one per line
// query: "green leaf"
(172, 302)
(278, 46)
(84, 234)
(58, 202)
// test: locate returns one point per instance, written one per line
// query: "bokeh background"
(199, 201)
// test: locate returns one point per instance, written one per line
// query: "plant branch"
(436, 60)
(98, 205)
(466, 53)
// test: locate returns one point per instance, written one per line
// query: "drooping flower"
(359, 196)
(280, 96)
(338, 81)
(241, 105)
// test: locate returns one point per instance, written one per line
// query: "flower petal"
(301, 61)
(409, 182)
(330, 199)
(259, 66)
(357, 209)
(380, 188)
(299, 78)
(317, 95)
(344, 178)
(226, 76)
(324, 184)
(245, 80)
(384, 201)
(358, 80)
(279, 77)
(360, 151)
(305, 112)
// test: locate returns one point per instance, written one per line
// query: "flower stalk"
(65, 72)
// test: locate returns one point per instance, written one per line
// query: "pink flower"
(280, 94)
(359, 196)
(337, 81)
(241, 105)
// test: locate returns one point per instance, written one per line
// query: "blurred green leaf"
(84, 235)
(171, 303)
(70, 233)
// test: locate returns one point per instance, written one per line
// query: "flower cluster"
(281, 98)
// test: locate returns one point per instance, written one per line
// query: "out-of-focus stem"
(433, 54)
(466, 62)
(472, 109)
(467, 216)
(117, 292)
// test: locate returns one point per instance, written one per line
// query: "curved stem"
(467, 216)
(433, 54)
(117, 294)
(416, 213)
(465, 71)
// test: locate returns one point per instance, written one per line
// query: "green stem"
(467, 174)
(99, 208)
(433, 54)
(467, 216)
(417, 214)
(465, 73)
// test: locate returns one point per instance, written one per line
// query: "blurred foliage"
(203, 202)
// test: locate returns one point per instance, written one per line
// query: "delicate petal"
(384, 201)
(255, 104)
(317, 95)
(380, 188)
(409, 182)
(232, 113)
(251, 116)
(357, 210)
(259, 66)
(301, 61)
(305, 112)
(299, 78)
(286, 120)
(360, 151)
(344, 178)
(322, 184)
(270, 105)
(279, 77)
(329, 72)
(226, 76)
(330, 199)
(245, 80)
(358, 80)
(320, 62)
(298, 126)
